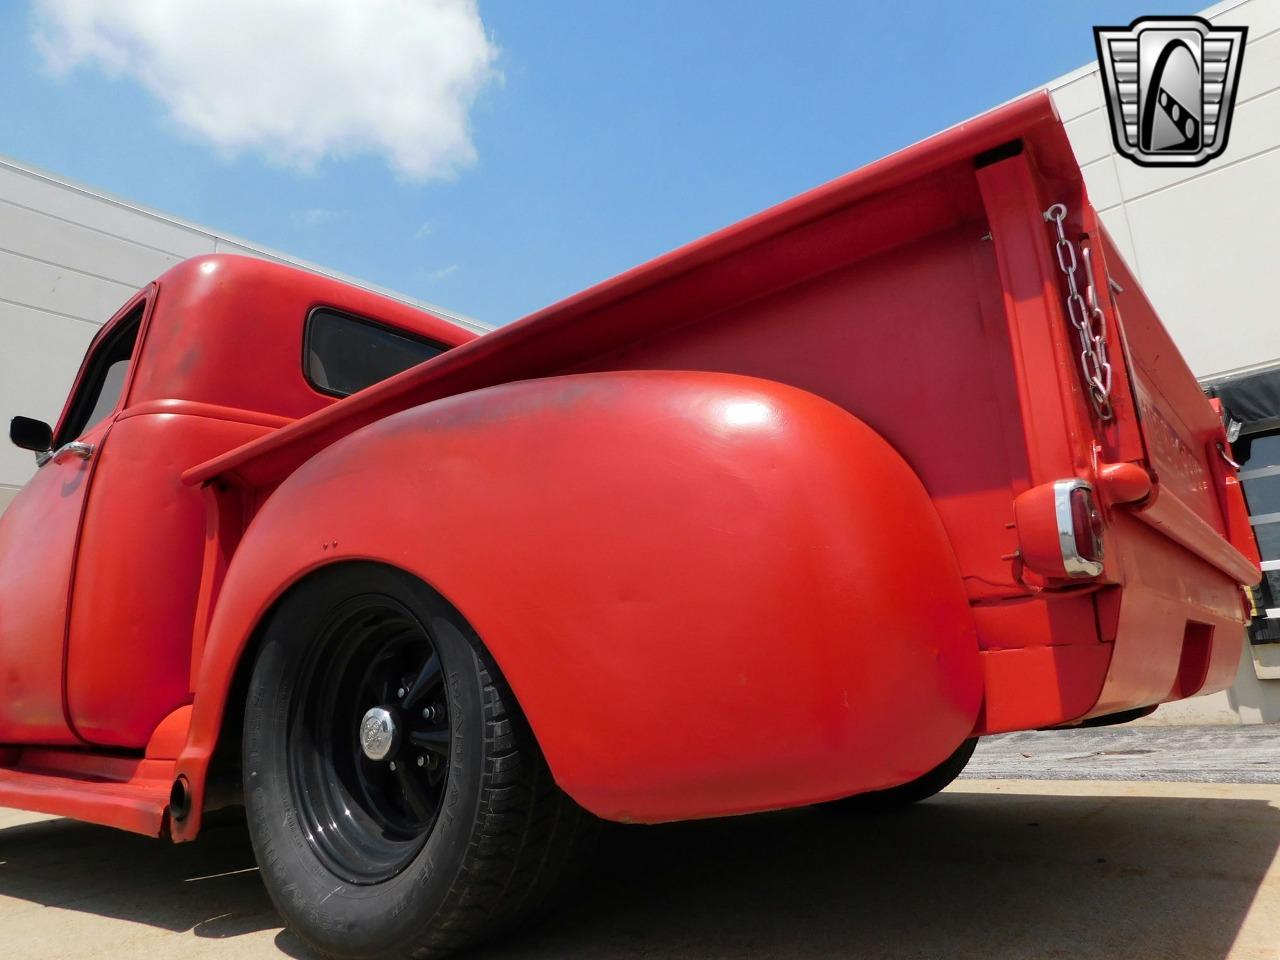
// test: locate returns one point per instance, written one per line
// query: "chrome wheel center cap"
(378, 733)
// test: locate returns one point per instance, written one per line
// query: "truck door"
(38, 537)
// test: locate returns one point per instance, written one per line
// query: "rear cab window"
(343, 353)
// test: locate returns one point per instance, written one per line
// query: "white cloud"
(443, 272)
(297, 80)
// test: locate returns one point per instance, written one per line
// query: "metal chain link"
(1086, 316)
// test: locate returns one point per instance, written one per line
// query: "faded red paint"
(764, 522)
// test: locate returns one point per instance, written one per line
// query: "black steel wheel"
(397, 801)
(369, 739)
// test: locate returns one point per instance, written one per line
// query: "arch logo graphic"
(1170, 84)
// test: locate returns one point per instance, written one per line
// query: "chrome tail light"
(1079, 527)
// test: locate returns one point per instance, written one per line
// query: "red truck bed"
(921, 294)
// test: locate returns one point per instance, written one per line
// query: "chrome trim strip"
(75, 448)
(1072, 562)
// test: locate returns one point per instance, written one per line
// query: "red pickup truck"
(788, 516)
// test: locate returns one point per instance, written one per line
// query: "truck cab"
(99, 576)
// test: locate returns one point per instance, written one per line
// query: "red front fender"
(711, 594)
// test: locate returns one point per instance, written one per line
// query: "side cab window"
(102, 381)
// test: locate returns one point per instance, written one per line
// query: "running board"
(123, 792)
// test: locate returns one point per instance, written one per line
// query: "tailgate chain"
(1086, 316)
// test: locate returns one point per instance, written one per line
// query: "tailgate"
(1196, 498)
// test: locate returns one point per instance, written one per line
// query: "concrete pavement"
(989, 869)
(1214, 754)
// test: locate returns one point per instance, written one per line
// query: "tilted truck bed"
(871, 210)
(921, 294)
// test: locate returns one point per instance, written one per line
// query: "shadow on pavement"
(210, 887)
(990, 875)
(964, 875)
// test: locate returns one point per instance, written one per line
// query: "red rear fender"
(710, 593)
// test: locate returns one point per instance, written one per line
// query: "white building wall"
(69, 258)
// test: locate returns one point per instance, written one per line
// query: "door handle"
(74, 449)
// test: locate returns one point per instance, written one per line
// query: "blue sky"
(605, 133)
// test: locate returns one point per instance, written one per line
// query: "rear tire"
(455, 833)
(900, 797)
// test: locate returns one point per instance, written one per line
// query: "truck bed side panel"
(901, 341)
